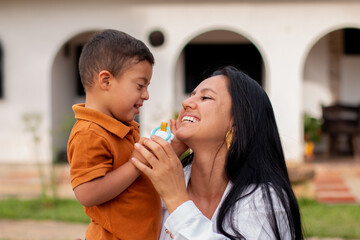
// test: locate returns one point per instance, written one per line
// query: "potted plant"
(312, 134)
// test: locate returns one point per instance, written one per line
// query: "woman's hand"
(165, 171)
(178, 146)
(136, 154)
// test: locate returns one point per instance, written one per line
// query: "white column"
(284, 87)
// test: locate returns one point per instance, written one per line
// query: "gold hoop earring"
(228, 137)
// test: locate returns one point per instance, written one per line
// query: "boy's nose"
(145, 95)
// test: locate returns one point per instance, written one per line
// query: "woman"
(235, 183)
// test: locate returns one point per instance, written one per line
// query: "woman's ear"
(104, 79)
(231, 123)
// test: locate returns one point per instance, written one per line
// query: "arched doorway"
(210, 50)
(331, 77)
(66, 90)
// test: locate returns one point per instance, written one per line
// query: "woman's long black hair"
(255, 157)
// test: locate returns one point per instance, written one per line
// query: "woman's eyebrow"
(208, 89)
(204, 90)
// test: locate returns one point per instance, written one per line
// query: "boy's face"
(128, 91)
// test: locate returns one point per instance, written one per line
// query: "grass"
(323, 220)
(60, 209)
(319, 220)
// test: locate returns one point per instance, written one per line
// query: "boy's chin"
(126, 120)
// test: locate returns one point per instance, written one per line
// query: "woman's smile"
(190, 119)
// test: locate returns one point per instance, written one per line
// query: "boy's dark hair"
(113, 51)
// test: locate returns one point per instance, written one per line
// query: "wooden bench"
(341, 120)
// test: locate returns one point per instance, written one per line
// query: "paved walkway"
(40, 230)
(23, 181)
(335, 181)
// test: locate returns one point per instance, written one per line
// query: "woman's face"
(206, 114)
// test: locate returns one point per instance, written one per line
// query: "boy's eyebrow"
(145, 80)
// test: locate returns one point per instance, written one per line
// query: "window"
(351, 41)
(79, 87)
(202, 59)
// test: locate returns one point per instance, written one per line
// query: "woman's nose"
(188, 103)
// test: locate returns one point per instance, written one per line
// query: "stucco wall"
(32, 32)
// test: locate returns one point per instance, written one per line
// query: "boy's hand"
(178, 146)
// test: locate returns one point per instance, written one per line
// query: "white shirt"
(187, 222)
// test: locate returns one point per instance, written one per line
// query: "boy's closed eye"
(142, 83)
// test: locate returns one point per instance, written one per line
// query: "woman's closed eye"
(206, 98)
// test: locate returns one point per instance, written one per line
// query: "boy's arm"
(103, 189)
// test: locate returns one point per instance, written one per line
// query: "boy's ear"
(104, 79)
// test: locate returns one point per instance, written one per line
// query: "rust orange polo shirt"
(97, 145)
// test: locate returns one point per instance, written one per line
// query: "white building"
(298, 49)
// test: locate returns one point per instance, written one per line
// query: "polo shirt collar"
(110, 124)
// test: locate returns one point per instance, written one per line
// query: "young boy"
(115, 71)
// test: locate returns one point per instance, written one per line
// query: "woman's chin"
(182, 136)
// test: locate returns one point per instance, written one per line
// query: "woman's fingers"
(141, 166)
(165, 146)
(173, 126)
(143, 139)
(159, 147)
(146, 153)
(178, 146)
(137, 154)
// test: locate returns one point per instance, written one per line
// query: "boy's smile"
(137, 106)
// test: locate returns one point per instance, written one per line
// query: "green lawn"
(337, 220)
(320, 220)
(61, 209)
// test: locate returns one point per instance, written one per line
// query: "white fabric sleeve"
(188, 223)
